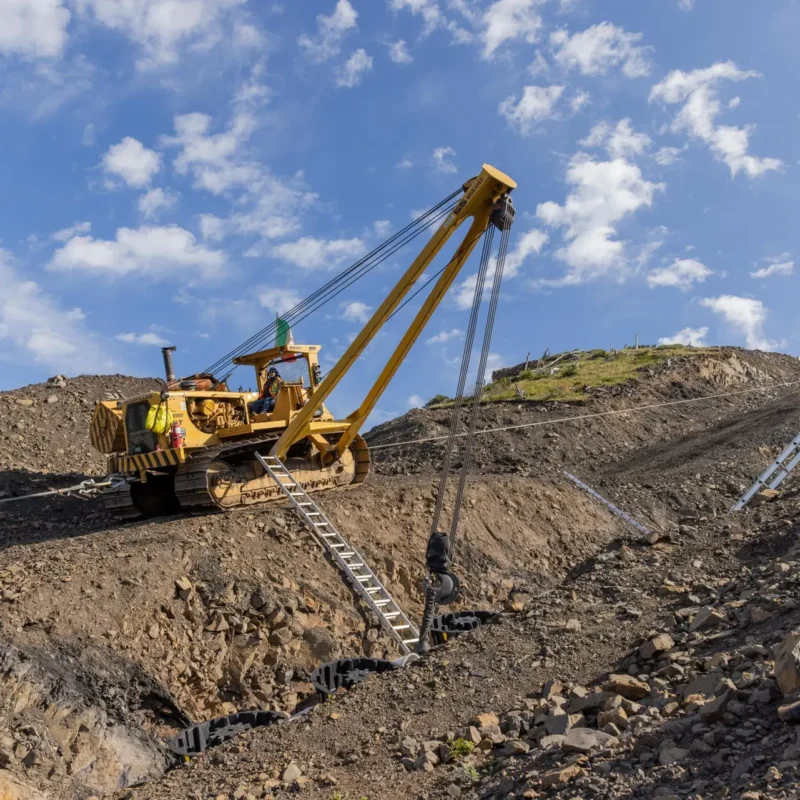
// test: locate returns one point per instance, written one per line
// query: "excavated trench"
(120, 637)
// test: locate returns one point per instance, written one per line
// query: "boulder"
(787, 663)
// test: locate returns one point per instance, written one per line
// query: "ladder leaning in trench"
(391, 617)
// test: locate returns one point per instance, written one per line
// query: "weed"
(569, 371)
(460, 748)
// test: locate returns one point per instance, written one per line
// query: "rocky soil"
(618, 662)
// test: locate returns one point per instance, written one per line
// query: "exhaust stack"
(168, 368)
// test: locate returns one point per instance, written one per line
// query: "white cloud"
(398, 53)
(352, 72)
(698, 91)
(415, 401)
(157, 252)
(219, 163)
(506, 20)
(132, 161)
(355, 311)
(88, 136)
(538, 66)
(330, 32)
(405, 163)
(600, 48)
(685, 5)
(152, 203)
(494, 362)
(682, 274)
(161, 28)
(278, 300)
(694, 337)
(382, 227)
(212, 228)
(150, 339)
(746, 316)
(427, 9)
(446, 336)
(602, 195)
(77, 229)
(621, 141)
(531, 243)
(33, 28)
(311, 253)
(667, 155)
(441, 160)
(776, 265)
(579, 100)
(36, 324)
(535, 105)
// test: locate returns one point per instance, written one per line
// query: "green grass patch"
(593, 368)
(459, 748)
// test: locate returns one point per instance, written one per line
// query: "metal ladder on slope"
(774, 475)
(391, 617)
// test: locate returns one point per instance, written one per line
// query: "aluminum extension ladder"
(774, 475)
(391, 617)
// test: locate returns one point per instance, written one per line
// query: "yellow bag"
(159, 419)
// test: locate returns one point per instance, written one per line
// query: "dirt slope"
(124, 633)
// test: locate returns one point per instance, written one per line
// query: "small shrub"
(569, 371)
(596, 355)
(437, 400)
(525, 375)
(471, 771)
(460, 748)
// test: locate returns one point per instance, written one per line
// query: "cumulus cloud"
(601, 48)
(131, 161)
(506, 20)
(219, 163)
(79, 228)
(415, 401)
(33, 28)
(156, 252)
(278, 300)
(682, 274)
(352, 72)
(446, 336)
(330, 32)
(34, 324)
(667, 155)
(427, 9)
(621, 141)
(535, 105)
(602, 195)
(164, 29)
(698, 91)
(398, 52)
(692, 337)
(152, 203)
(441, 160)
(355, 311)
(776, 265)
(685, 5)
(311, 253)
(150, 339)
(746, 316)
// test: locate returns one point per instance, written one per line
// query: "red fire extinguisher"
(176, 435)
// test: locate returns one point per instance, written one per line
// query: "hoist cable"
(479, 382)
(320, 298)
(480, 281)
(424, 221)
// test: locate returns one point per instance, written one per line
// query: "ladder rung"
(373, 588)
(400, 627)
(313, 514)
(386, 603)
(323, 524)
(348, 555)
(363, 577)
(410, 641)
(329, 535)
(305, 504)
(352, 566)
(391, 614)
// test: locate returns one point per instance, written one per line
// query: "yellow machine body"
(215, 465)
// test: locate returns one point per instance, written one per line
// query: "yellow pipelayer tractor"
(204, 455)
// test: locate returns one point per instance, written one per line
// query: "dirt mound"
(140, 628)
(44, 430)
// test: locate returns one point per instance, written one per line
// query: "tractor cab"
(296, 376)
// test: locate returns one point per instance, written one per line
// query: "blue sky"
(176, 171)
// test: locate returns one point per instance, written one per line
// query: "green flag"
(284, 333)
